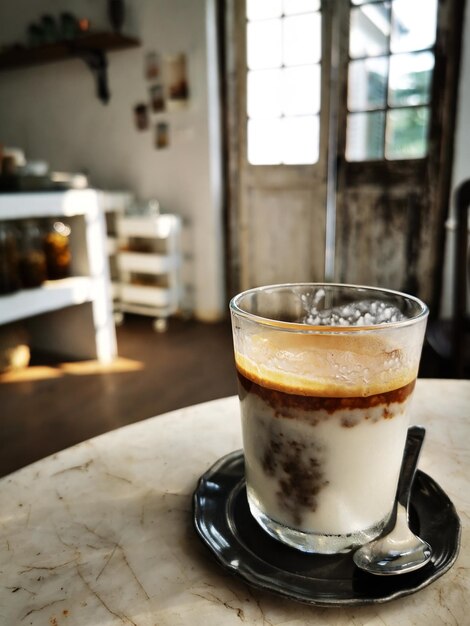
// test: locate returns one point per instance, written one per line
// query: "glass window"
(389, 78)
(302, 39)
(300, 139)
(291, 7)
(414, 25)
(264, 145)
(365, 136)
(262, 10)
(369, 78)
(407, 133)
(369, 30)
(283, 81)
(264, 44)
(264, 93)
(301, 90)
(410, 79)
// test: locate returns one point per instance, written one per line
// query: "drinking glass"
(326, 374)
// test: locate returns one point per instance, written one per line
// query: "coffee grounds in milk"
(297, 463)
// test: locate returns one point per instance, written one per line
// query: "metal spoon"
(400, 550)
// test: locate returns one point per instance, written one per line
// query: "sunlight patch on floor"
(81, 368)
(76, 368)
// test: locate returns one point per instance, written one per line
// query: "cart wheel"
(160, 324)
(118, 318)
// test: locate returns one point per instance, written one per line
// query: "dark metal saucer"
(224, 523)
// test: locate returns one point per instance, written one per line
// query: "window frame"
(387, 108)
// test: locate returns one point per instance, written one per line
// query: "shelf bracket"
(98, 64)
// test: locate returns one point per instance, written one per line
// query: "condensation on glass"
(391, 50)
(283, 81)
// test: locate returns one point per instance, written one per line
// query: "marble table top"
(101, 534)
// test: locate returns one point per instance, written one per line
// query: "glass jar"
(9, 273)
(32, 259)
(57, 250)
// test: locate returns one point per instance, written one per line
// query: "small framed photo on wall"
(177, 81)
(162, 135)
(157, 98)
(141, 118)
(152, 65)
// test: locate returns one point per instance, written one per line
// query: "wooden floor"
(52, 405)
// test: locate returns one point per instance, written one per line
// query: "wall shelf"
(16, 58)
(90, 47)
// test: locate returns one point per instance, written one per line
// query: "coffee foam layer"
(330, 365)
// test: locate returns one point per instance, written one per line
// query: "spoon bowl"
(400, 550)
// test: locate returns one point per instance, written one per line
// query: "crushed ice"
(362, 313)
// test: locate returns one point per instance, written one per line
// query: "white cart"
(149, 262)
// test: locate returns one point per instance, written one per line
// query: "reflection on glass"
(300, 139)
(369, 30)
(414, 25)
(264, 144)
(407, 133)
(291, 7)
(264, 91)
(264, 44)
(302, 39)
(367, 84)
(301, 90)
(364, 139)
(261, 10)
(410, 78)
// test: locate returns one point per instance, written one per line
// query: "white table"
(101, 534)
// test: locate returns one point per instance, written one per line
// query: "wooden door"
(392, 204)
(277, 195)
(369, 207)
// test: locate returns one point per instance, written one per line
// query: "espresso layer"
(282, 401)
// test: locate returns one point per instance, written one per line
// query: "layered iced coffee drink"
(324, 405)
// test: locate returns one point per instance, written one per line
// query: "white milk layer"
(334, 474)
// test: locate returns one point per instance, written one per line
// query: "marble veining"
(101, 534)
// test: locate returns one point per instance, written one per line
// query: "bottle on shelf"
(57, 250)
(9, 271)
(32, 258)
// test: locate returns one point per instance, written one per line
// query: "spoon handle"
(414, 442)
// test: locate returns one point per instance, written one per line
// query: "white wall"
(52, 113)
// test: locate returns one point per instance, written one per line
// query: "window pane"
(364, 141)
(300, 139)
(369, 30)
(367, 84)
(414, 25)
(410, 78)
(264, 91)
(264, 142)
(301, 90)
(407, 133)
(264, 44)
(302, 39)
(358, 2)
(300, 6)
(260, 9)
